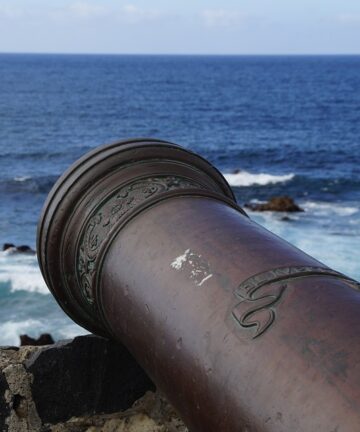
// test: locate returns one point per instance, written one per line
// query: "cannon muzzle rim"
(71, 202)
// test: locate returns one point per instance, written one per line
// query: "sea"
(274, 125)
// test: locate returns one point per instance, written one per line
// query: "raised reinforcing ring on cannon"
(100, 192)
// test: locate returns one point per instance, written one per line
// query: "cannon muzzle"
(142, 241)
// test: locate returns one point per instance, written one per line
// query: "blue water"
(291, 125)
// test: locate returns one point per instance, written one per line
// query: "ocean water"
(272, 125)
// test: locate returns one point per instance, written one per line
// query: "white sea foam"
(59, 329)
(245, 178)
(22, 178)
(10, 330)
(314, 234)
(325, 209)
(22, 273)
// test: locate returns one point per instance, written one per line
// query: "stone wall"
(85, 384)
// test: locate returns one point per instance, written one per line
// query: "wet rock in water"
(43, 339)
(22, 249)
(25, 249)
(277, 204)
(286, 219)
(7, 246)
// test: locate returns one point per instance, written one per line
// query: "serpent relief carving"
(260, 294)
(111, 211)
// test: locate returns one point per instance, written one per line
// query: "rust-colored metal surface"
(143, 241)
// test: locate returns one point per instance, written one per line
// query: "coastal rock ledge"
(87, 384)
(276, 204)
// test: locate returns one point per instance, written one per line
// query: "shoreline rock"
(10, 248)
(43, 339)
(276, 204)
(88, 384)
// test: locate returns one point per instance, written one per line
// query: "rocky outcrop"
(10, 248)
(18, 412)
(43, 339)
(277, 204)
(5, 407)
(7, 246)
(151, 413)
(85, 384)
(98, 376)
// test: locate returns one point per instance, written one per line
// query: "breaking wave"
(58, 328)
(245, 178)
(27, 184)
(326, 208)
(21, 273)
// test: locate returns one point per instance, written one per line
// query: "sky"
(180, 27)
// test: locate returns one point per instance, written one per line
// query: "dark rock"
(43, 339)
(25, 249)
(286, 219)
(278, 204)
(4, 406)
(86, 375)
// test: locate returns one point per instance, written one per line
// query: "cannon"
(142, 241)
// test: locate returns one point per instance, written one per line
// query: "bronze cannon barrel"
(142, 241)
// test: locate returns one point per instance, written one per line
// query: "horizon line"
(184, 54)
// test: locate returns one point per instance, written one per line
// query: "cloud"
(87, 10)
(133, 14)
(128, 14)
(349, 18)
(9, 11)
(221, 17)
(76, 11)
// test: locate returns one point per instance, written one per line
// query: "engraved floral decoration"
(109, 212)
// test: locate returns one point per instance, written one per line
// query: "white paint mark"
(180, 260)
(204, 280)
(193, 264)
